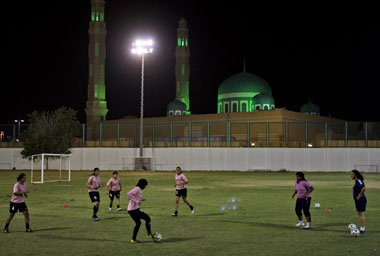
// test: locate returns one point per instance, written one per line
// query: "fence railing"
(215, 134)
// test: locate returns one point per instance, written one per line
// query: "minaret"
(96, 107)
(182, 66)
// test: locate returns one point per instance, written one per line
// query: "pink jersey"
(114, 184)
(18, 188)
(135, 198)
(302, 187)
(180, 178)
(94, 181)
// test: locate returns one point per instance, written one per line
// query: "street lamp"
(19, 122)
(142, 47)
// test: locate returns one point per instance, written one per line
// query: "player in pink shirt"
(113, 190)
(17, 203)
(93, 184)
(135, 199)
(181, 190)
(303, 189)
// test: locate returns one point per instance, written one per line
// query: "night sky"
(324, 56)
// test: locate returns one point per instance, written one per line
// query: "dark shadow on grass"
(50, 229)
(211, 214)
(178, 239)
(89, 239)
(282, 226)
(112, 218)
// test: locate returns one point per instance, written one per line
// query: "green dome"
(244, 82)
(177, 105)
(263, 99)
(310, 108)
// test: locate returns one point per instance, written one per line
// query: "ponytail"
(358, 174)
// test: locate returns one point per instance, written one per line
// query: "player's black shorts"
(303, 204)
(181, 192)
(14, 207)
(114, 194)
(94, 196)
(361, 204)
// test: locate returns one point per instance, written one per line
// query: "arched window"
(272, 106)
(266, 107)
(226, 108)
(234, 107)
(171, 113)
(258, 107)
(177, 112)
(244, 107)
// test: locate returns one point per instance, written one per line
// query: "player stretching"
(181, 190)
(93, 185)
(18, 203)
(359, 197)
(113, 190)
(135, 198)
(303, 189)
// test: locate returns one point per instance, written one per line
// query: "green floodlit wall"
(215, 134)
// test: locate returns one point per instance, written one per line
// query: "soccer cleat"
(95, 218)
(154, 237)
(28, 230)
(307, 226)
(174, 214)
(362, 231)
(119, 209)
(192, 209)
(110, 209)
(6, 230)
(134, 241)
(300, 224)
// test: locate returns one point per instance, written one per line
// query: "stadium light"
(19, 122)
(142, 47)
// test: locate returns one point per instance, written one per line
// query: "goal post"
(61, 170)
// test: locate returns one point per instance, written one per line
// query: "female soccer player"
(181, 190)
(17, 203)
(113, 190)
(135, 199)
(93, 185)
(359, 197)
(303, 189)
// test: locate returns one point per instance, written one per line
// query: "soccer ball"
(317, 205)
(351, 226)
(157, 237)
(355, 232)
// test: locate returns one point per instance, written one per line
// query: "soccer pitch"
(262, 224)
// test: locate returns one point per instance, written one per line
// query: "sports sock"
(191, 207)
(118, 206)
(308, 223)
(110, 205)
(6, 226)
(300, 221)
(95, 210)
(362, 228)
(27, 225)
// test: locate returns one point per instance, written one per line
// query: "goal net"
(50, 168)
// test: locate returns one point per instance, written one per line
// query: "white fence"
(215, 159)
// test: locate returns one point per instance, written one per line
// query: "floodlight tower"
(142, 47)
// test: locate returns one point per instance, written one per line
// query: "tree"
(51, 132)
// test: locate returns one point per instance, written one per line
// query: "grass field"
(263, 223)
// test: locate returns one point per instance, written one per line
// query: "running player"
(303, 189)
(135, 199)
(181, 190)
(113, 190)
(359, 197)
(17, 203)
(93, 185)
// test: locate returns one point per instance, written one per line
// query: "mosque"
(244, 98)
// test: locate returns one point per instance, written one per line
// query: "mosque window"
(179, 41)
(183, 42)
(177, 112)
(272, 106)
(244, 107)
(101, 14)
(226, 108)
(93, 16)
(258, 107)
(234, 107)
(97, 16)
(171, 113)
(187, 42)
(266, 107)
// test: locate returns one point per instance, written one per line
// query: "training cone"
(64, 206)
(328, 210)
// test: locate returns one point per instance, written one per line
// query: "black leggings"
(136, 216)
(303, 204)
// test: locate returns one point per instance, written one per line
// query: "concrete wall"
(242, 159)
